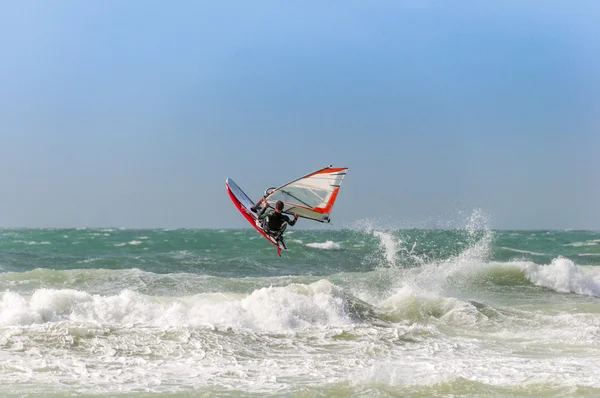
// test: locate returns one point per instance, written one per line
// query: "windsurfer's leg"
(282, 242)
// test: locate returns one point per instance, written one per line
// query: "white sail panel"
(311, 196)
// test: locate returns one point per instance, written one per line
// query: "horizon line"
(2, 228)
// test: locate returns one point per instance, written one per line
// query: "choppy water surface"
(363, 312)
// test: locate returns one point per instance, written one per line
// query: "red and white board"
(243, 204)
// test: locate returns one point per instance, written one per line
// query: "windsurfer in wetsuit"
(275, 220)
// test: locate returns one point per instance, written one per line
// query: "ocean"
(361, 311)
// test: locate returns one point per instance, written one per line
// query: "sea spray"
(389, 245)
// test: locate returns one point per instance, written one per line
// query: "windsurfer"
(275, 221)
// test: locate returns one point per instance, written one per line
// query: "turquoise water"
(361, 312)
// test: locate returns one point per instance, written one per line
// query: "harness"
(277, 234)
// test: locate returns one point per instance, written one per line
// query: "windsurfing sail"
(311, 196)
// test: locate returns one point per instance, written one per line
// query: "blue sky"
(133, 113)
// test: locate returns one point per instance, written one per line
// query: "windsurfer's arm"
(257, 205)
(265, 207)
(292, 222)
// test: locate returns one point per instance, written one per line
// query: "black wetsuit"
(276, 220)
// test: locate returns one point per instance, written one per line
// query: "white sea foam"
(276, 340)
(594, 242)
(89, 260)
(562, 275)
(581, 244)
(132, 243)
(328, 245)
(277, 309)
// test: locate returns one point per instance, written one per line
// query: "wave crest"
(270, 309)
(564, 276)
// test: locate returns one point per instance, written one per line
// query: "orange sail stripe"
(327, 209)
(328, 171)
